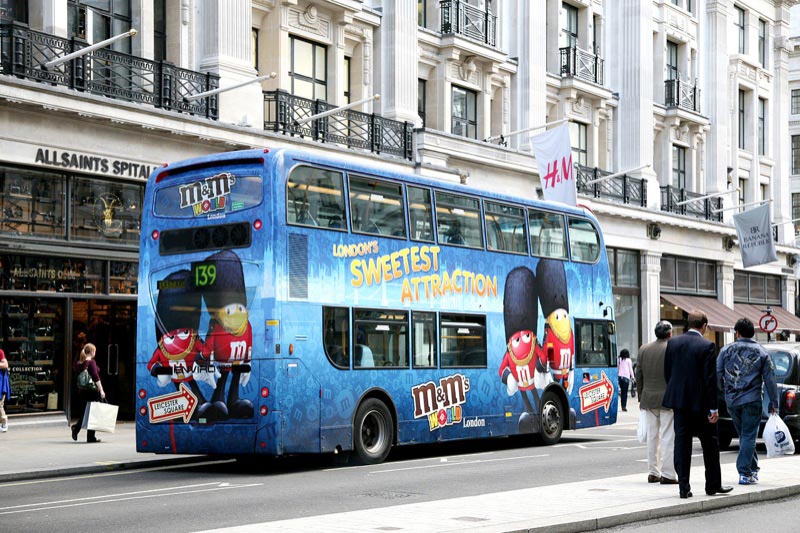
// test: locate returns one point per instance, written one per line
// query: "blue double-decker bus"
(295, 303)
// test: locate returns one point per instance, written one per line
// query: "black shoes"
(719, 490)
(687, 494)
(93, 440)
(668, 481)
(75, 430)
(653, 479)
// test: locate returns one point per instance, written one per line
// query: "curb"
(102, 468)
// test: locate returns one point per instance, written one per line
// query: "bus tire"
(551, 418)
(373, 432)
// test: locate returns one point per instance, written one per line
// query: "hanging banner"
(755, 236)
(554, 159)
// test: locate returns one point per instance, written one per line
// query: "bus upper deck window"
(376, 207)
(548, 235)
(584, 241)
(458, 220)
(420, 214)
(314, 197)
(505, 228)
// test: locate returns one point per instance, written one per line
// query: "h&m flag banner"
(554, 159)
(755, 236)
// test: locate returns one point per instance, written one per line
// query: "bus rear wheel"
(551, 418)
(373, 432)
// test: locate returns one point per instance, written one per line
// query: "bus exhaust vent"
(298, 266)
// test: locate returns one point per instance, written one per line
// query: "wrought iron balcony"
(105, 72)
(679, 93)
(577, 63)
(671, 196)
(624, 189)
(460, 18)
(353, 129)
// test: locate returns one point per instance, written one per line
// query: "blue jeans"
(746, 418)
(623, 391)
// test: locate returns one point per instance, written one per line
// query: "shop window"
(423, 335)
(458, 220)
(314, 197)
(462, 340)
(377, 207)
(106, 212)
(32, 204)
(627, 268)
(124, 277)
(380, 338)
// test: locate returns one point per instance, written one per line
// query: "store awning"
(786, 320)
(720, 316)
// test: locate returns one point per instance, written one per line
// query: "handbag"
(777, 438)
(100, 416)
(633, 388)
(85, 381)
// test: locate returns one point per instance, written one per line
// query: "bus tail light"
(257, 224)
(143, 410)
(788, 400)
(155, 235)
(264, 392)
(291, 349)
(264, 410)
(142, 393)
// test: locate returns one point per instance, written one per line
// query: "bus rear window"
(594, 348)
(215, 194)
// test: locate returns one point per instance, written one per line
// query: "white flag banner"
(554, 159)
(755, 236)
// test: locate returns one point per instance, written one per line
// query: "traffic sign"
(768, 323)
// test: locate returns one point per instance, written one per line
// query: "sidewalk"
(46, 450)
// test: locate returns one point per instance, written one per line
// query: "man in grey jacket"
(650, 386)
(742, 368)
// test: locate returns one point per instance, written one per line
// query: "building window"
(795, 102)
(740, 27)
(762, 42)
(254, 47)
(14, 10)
(756, 288)
(159, 30)
(672, 60)
(764, 191)
(578, 135)
(796, 212)
(686, 275)
(624, 268)
(346, 93)
(465, 112)
(571, 28)
(421, 18)
(741, 119)
(795, 154)
(678, 167)
(309, 69)
(96, 21)
(421, 88)
(762, 130)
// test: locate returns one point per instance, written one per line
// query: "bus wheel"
(373, 432)
(552, 419)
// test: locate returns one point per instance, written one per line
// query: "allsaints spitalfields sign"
(92, 163)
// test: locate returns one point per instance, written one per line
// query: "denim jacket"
(742, 367)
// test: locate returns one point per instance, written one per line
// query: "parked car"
(786, 360)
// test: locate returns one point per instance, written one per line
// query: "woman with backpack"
(89, 388)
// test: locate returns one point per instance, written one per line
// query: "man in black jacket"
(690, 372)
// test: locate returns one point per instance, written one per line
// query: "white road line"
(221, 486)
(460, 463)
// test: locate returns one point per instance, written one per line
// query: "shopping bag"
(100, 416)
(641, 431)
(52, 401)
(633, 388)
(777, 437)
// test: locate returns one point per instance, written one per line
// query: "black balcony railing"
(105, 72)
(460, 18)
(625, 189)
(678, 93)
(352, 128)
(699, 208)
(577, 63)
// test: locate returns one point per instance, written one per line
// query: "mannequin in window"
(363, 354)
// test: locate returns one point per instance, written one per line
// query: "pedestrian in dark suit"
(690, 372)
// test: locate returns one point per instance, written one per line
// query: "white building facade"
(692, 97)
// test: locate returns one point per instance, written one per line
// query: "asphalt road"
(228, 493)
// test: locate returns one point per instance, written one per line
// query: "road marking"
(95, 500)
(460, 463)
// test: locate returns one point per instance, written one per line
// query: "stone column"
(399, 60)
(778, 113)
(725, 289)
(143, 20)
(225, 50)
(650, 285)
(531, 42)
(715, 98)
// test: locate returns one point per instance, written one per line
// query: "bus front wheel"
(552, 418)
(373, 432)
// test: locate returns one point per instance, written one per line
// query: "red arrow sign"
(179, 404)
(768, 323)
(596, 394)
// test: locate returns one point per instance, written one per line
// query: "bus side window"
(315, 197)
(548, 235)
(377, 207)
(423, 337)
(420, 215)
(462, 340)
(592, 343)
(505, 228)
(381, 338)
(458, 220)
(336, 335)
(584, 241)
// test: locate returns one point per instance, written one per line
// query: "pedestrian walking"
(743, 368)
(5, 391)
(90, 389)
(691, 392)
(650, 386)
(624, 376)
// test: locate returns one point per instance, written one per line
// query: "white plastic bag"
(641, 431)
(777, 437)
